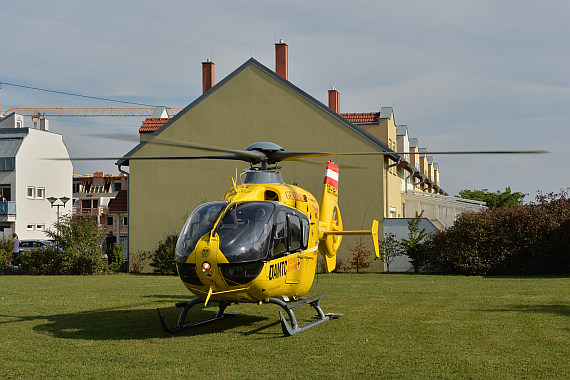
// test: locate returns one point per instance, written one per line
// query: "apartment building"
(94, 193)
(34, 168)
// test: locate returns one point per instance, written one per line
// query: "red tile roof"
(119, 204)
(361, 117)
(151, 124)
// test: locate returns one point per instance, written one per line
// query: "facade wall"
(442, 210)
(249, 107)
(385, 130)
(35, 170)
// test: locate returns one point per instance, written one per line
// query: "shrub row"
(515, 240)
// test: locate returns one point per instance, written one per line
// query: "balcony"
(7, 211)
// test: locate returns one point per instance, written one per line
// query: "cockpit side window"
(294, 233)
(280, 244)
(305, 233)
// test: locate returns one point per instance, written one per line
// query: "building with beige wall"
(255, 103)
(251, 104)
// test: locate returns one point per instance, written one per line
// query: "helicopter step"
(187, 305)
(294, 328)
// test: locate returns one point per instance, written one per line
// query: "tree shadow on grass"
(562, 310)
(133, 324)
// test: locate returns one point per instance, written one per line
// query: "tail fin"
(329, 217)
(330, 221)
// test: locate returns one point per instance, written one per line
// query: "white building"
(28, 177)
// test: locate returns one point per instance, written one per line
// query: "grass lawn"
(395, 326)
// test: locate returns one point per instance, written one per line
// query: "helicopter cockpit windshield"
(245, 231)
(200, 222)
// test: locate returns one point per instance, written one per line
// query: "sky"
(462, 75)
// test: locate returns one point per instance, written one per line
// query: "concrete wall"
(399, 227)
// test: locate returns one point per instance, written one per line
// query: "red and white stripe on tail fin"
(331, 174)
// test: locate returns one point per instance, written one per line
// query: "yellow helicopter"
(260, 243)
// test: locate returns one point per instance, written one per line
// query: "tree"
(390, 248)
(360, 256)
(493, 200)
(412, 245)
(77, 240)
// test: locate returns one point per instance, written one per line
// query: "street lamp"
(52, 200)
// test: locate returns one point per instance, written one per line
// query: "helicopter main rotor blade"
(285, 156)
(213, 157)
(253, 156)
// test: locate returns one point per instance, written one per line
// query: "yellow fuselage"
(288, 276)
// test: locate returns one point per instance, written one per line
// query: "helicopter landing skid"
(187, 305)
(294, 328)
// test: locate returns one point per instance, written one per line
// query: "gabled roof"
(386, 112)
(361, 117)
(120, 203)
(253, 62)
(151, 124)
(413, 142)
(401, 130)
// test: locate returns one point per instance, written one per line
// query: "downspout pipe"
(408, 177)
(387, 185)
(120, 167)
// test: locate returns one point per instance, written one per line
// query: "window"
(31, 192)
(30, 227)
(40, 193)
(125, 220)
(294, 233)
(280, 234)
(40, 227)
(109, 220)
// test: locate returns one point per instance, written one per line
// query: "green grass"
(395, 326)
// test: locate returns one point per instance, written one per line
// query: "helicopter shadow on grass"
(134, 324)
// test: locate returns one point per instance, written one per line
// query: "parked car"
(27, 245)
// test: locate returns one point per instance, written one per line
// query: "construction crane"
(38, 113)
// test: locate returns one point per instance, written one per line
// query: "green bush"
(161, 258)
(42, 261)
(76, 250)
(6, 249)
(527, 239)
(117, 259)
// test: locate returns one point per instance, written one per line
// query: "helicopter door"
(295, 246)
(290, 237)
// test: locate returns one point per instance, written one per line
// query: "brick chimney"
(334, 100)
(207, 75)
(281, 58)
